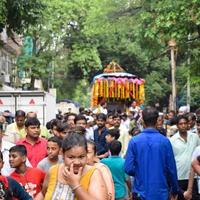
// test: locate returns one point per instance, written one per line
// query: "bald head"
(31, 114)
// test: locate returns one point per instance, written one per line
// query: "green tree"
(17, 15)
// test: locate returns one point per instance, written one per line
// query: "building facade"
(9, 50)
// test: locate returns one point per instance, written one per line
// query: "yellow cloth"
(85, 180)
(44, 132)
(13, 133)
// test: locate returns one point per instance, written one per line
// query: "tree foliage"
(17, 15)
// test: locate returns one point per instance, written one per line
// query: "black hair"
(80, 117)
(181, 117)
(48, 125)
(103, 102)
(60, 126)
(32, 122)
(74, 139)
(192, 116)
(162, 131)
(21, 149)
(117, 115)
(1, 127)
(56, 140)
(78, 129)
(124, 115)
(115, 147)
(119, 111)
(134, 131)
(198, 119)
(93, 144)
(173, 121)
(110, 114)
(101, 116)
(114, 132)
(53, 123)
(20, 113)
(1, 155)
(172, 111)
(66, 115)
(81, 109)
(150, 116)
(197, 111)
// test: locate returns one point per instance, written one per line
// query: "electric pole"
(172, 46)
(188, 77)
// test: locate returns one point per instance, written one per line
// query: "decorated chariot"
(117, 88)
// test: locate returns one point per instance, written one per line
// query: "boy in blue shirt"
(116, 165)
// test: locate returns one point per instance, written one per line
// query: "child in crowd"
(53, 150)
(58, 128)
(116, 165)
(30, 178)
(74, 178)
(94, 161)
(9, 188)
(112, 134)
(81, 121)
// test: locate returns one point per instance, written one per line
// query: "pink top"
(35, 152)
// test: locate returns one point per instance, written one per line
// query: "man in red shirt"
(36, 146)
(30, 178)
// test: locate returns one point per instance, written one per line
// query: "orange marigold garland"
(127, 92)
(106, 89)
(101, 87)
(141, 92)
(112, 89)
(118, 90)
(122, 91)
(136, 90)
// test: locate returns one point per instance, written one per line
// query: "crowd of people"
(140, 154)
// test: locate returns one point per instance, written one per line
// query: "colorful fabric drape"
(117, 88)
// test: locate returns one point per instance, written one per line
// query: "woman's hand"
(72, 178)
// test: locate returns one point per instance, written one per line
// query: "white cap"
(89, 119)
(183, 109)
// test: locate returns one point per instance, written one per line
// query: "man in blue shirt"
(100, 136)
(150, 160)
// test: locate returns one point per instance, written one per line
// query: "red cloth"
(32, 180)
(35, 152)
(4, 180)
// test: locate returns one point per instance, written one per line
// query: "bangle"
(76, 187)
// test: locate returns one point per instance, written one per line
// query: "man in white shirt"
(124, 135)
(184, 144)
